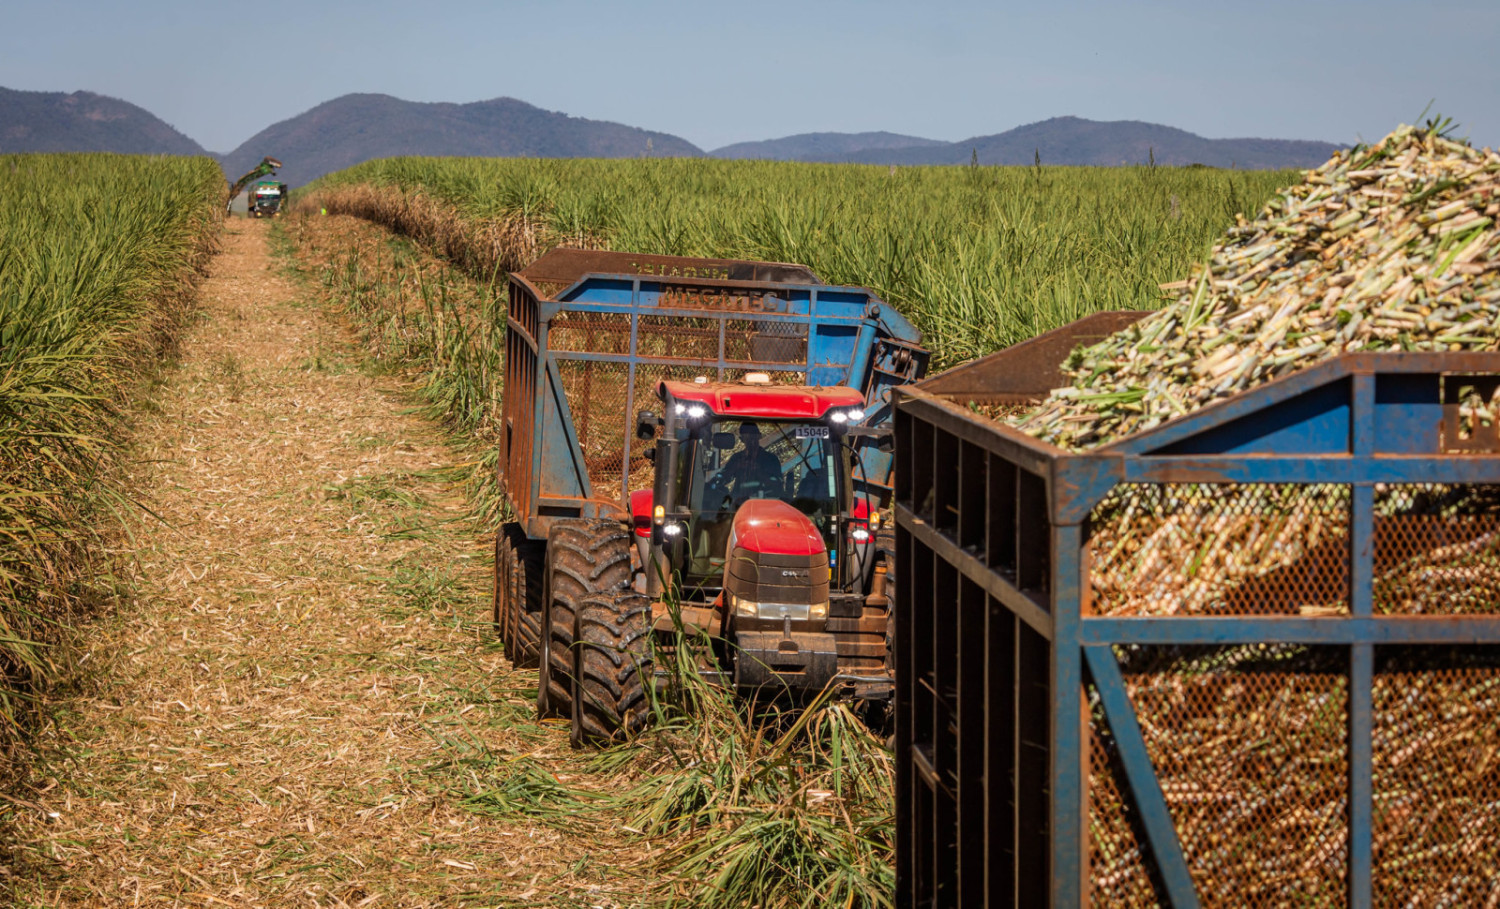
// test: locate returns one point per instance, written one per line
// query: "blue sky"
(716, 73)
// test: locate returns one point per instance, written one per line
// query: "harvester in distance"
(267, 167)
(266, 199)
(744, 500)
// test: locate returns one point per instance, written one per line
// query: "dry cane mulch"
(268, 724)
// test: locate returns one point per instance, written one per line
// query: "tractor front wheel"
(615, 667)
(584, 558)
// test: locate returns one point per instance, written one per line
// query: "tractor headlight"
(859, 535)
(856, 415)
(671, 529)
(838, 416)
(696, 412)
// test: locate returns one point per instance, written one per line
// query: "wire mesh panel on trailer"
(1250, 657)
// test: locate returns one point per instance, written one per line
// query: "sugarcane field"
(436, 503)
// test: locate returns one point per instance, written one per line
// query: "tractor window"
(734, 461)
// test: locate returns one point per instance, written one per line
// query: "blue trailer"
(626, 374)
(1249, 657)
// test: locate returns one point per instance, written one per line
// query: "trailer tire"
(517, 600)
(584, 558)
(498, 600)
(615, 667)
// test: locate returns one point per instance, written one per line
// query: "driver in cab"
(752, 472)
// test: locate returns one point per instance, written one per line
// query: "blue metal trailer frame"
(1002, 662)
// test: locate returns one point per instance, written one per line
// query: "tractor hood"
(777, 569)
(773, 527)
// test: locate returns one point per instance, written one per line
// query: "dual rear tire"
(568, 611)
(595, 649)
(614, 668)
(585, 558)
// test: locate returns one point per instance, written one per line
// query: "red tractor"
(752, 511)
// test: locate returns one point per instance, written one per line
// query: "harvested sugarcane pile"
(1391, 247)
(1261, 816)
(1245, 739)
(1249, 749)
(1238, 549)
(1199, 549)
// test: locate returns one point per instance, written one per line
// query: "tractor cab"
(725, 445)
(730, 461)
(753, 511)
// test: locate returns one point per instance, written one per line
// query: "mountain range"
(358, 127)
(84, 121)
(353, 128)
(826, 147)
(1073, 140)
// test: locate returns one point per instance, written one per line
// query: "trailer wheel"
(584, 558)
(517, 600)
(614, 668)
(498, 600)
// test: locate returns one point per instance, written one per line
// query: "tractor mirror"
(724, 441)
(645, 425)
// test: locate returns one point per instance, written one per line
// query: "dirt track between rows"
(305, 648)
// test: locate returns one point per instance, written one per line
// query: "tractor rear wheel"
(584, 558)
(615, 667)
(517, 601)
